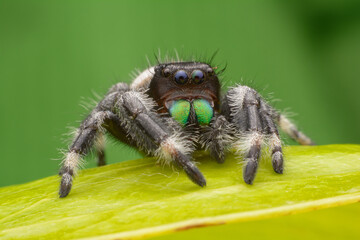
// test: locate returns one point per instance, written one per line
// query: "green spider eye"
(180, 111)
(204, 111)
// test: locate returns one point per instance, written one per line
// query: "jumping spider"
(172, 109)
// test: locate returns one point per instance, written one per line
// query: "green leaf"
(138, 198)
(330, 224)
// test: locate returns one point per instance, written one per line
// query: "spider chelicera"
(172, 109)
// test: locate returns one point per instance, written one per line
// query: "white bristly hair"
(246, 140)
(73, 161)
(274, 141)
(236, 98)
(143, 79)
(144, 99)
(171, 145)
(100, 117)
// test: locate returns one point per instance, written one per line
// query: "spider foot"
(65, 185)
(278, 162)
(195, 175)
(191, 170)
(250, 171)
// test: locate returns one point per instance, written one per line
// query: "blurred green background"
(53, 54)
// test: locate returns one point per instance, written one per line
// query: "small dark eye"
(181, 77)
(197, 76)
(166, 72)
(210, 71)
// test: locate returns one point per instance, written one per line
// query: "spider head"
(179, 88)
(184, 81)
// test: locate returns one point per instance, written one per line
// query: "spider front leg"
(128, 115)
(248, 112)
(156, 135)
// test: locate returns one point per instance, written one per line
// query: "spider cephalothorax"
(186, 90)
(156, 111)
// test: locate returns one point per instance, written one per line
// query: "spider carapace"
(188, 91)
(172, 109)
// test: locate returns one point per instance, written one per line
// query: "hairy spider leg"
(290, 129)
(216, 137)
(255, 121)
(255, 137)
(81, 145)
(274, 138)
(241, 106)
(128, 116)
(171, 145)
(110, 123)
(100, 148)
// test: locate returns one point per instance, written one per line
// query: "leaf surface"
(138, 198)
